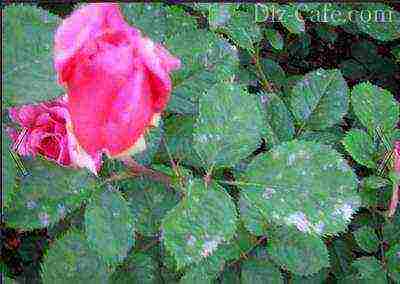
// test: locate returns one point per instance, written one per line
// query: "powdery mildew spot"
(299, 219)
(31, 204)
(44, 219)
(345, 210)
(210, 245)
(191, 240)
(268, 192)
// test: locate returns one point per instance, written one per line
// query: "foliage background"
(257, 251)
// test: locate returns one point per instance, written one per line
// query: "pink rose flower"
(44, 131)
(118, 81)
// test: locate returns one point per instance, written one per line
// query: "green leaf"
(374, 107)
(47, 194)
(274, 38)
(149, 202)
(367, 239)
(109, 226)
(70, 260)
(206, 60)
(370, 189)
(229, 276)
(330, 136)
(28, 74)
(393, 262)
(365, 52)
(228, 127)
(361, 147)
(202, 221)
(219, 14)
(352, 69)
(179, 140)
(291, 19)
(374, 182)
(209, 268)
(260, 271)
(243, 31)
(379, 21)
(340, 256)
(273, 72)
(299, 48)
(369, 268)
(169, 20)
(278, 119)
(254, 219)
(320, 100)
(8, 169)
(302, 184)
(326, 33)
(396, 53)
(302, 254)
(318, 278)
(391, 232)
(137, 268)
(153, 140)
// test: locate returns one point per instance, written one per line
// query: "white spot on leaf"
(268, 192)
(210, 245)
(44, 219)
(31, 204)
(191, 240)
(299, 219)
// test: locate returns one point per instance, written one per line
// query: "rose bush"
(117, 80)
(277, 141)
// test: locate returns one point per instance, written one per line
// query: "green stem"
(264, 81)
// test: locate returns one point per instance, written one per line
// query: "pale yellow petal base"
(140, 144)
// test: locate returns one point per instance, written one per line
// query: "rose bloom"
(44, 131)
(117, 81)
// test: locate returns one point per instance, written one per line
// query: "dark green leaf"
(202, 221)
(361, 147)
(260, 272)
(300, 253)
(8, 169)
(292, 19)
(274, 38)
(379, 21)
(393, 262)
(320, 100)
(28, 74)
(278, 119)
(109, 226)
(367, 239)
(149, 202)
(228, 127)
(302, 184)
(137, 268)
(47, 194)
(70, 260)
(374, 107)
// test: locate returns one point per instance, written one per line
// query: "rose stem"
(138, 169)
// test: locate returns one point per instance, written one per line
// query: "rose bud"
(117, 80)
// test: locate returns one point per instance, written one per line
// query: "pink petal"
(83, 26)
(117, 80)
